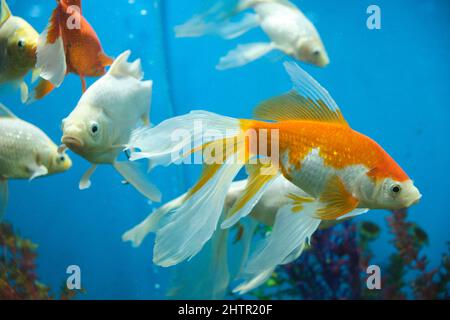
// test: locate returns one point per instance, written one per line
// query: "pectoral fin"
(85, 182)
(37, 171)
(244, 54)
(42, 89)
(3, 196)
(133, 173)
(337, 201)
(23, 92)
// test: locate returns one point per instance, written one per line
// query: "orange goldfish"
(343, 172)
(69, 44)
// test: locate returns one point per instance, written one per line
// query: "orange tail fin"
(42, 89)
(105, 60)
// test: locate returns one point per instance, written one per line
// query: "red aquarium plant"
(18, 278)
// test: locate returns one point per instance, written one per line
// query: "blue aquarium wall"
(391, 84)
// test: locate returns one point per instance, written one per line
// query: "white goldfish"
(25, 153)
(288, 28)
(101, 124)
(18, 43)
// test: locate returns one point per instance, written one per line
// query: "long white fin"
(135, 174)
(229, 30)
(85, 182)
(208, 19)
(244, 54)
(257, 185)
(152, 223)
(171, 139)
(51, 57)
(211, 264)
(194, 222)
(286, 242)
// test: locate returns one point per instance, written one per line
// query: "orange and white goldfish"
(25, 153)
(18, 43)
(343, 172)
(288, 29)
(69, 44)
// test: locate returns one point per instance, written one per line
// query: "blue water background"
(391, 84)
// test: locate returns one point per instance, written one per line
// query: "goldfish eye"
(21, 43)
(62, 158)
(94, 128)
(316, 53)
(396, 189)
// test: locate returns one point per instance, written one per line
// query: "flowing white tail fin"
(244, 54)
(292, 230)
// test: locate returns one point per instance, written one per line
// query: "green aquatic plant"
(18, 277)
(335, 265)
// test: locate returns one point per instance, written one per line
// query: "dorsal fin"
(307, 101)
(122, 68)
(5, 13)
(5, 112)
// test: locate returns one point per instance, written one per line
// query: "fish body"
(291, 31)
(100, 126)
(312, 152)
(288, 29)
(26, 152)
(18, 43)
(307, 140)
(69, 44)
(84, 53)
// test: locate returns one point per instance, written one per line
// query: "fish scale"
(19, 146)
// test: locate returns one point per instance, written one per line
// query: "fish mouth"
(414, 201)
(72, 142)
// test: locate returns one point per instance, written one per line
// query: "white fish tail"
(214, 262)
(292, 230)
(171, 140)
(152, 223)
(206, 276)
(193, 223)
(244, 54)
(216, 20)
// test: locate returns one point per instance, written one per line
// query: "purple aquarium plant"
(334, 266)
